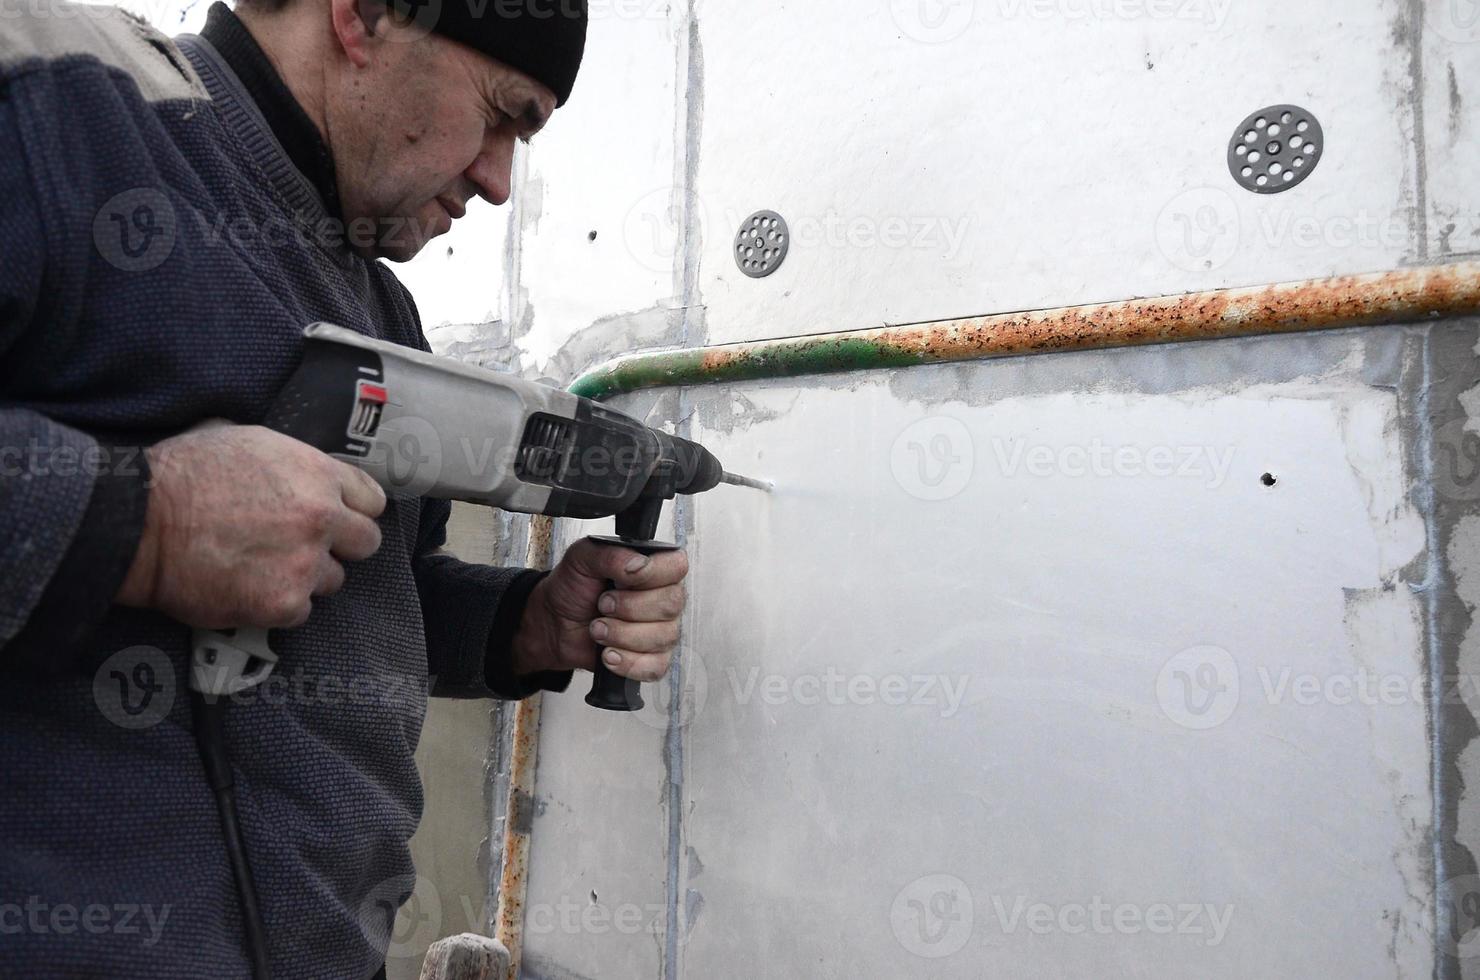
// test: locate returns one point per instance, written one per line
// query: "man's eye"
(502, 120)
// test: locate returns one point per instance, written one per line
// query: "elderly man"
(172, 215)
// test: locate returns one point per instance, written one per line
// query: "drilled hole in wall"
(1269, 479)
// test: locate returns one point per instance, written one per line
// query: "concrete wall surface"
(1104, 664)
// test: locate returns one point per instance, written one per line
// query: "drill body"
(425, 425)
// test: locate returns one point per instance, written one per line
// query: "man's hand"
(245, 526)
(570, 617)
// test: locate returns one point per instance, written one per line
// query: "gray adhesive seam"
(1420, 140)
(690, 83)
(1429, 589)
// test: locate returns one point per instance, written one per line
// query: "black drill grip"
(610, 692)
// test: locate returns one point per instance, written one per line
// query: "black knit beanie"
(545, 39)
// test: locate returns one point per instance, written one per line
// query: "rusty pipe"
(513, 885)
(1403, 296)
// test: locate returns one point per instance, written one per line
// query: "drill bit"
(741, 481)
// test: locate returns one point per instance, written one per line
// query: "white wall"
(1136, 652)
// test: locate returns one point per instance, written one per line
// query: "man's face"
(427, 125)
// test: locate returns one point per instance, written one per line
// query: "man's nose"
(492, 171)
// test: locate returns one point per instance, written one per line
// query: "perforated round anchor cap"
(1275, 149)
(761, 244)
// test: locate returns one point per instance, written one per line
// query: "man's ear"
(355, 25)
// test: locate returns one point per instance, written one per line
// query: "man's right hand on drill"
(245, 526)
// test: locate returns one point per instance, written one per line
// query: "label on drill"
(364, 421)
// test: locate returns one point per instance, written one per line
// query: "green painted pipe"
(1403, 296)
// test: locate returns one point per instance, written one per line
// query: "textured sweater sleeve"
(71, 510)
(471, 614)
